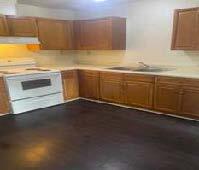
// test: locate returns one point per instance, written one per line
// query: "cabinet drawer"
(192, 83)
(139, 77)
(111, 76)
(169, 80)
(88, 73)
(68, 73)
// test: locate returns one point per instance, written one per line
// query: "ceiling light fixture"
(99, 0)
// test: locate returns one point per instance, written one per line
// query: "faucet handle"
(143, 64)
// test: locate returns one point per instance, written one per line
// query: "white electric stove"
(30, 87)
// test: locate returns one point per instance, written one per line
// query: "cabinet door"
(55, 34)
(190, 102)
(22, 26)
(186, 31)
(111, 87)
(139, 94)
(3, 26)
(167, 98)
(89, 84)
(70, 84)
(4, 102)
(93, 34)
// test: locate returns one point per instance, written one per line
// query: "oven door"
(34, 85)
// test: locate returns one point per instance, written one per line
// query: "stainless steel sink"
(152, 69)
(142, 69)
(120, 68)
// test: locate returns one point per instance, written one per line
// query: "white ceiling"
(74, 4)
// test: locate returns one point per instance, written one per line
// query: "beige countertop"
(183, 72)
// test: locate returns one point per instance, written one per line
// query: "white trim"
(141, 109)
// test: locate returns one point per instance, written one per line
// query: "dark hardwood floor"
(83, 135)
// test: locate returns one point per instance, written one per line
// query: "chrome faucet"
(144, 65)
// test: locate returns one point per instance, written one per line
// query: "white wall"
(7, 7)
(43, 58)
(149, 32)
(28, 10)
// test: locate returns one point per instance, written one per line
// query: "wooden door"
(89, 84)
(93, 34)
(70, 84)
(55, 34)
(22, 26)
(167, 98)
(139, 94)
(186, 29)
(190, 102)
(3, 26)
(4, 102)
(111, 87)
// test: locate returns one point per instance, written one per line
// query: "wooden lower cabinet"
(70, 84)
(139, 94)
(139, 90)
(4, 101)
(190, 102)
(89, 84)
(176, 96)
(167, 98)
(111, 87)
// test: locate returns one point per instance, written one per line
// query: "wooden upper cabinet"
(100, 34)
(55, 34)
(186, 29)
(4, 101)
(22, 26)
(4, 31)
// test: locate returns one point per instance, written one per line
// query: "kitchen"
(99, 84)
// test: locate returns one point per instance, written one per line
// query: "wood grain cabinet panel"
(70, 84)
(167, 98)
(3, 26)
(139, 94)
(186, 29)
(4, 101)
(89, 84)
(55, 34)
(100, 34)
(112, 87)
(190, 102)
(139, 90)
(22, 26)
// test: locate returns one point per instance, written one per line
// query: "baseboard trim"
(140, 109)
